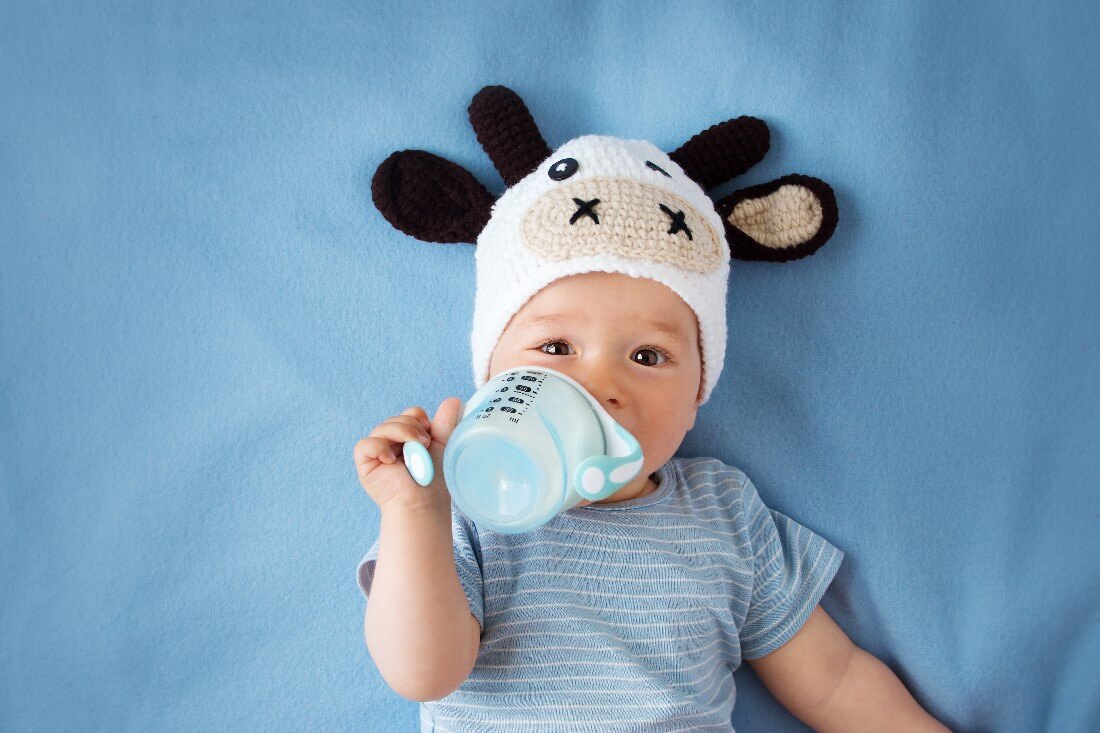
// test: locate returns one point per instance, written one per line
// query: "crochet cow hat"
(601, 203)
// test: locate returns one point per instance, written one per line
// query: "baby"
(633, 612)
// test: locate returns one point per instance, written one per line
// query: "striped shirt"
(629, 616)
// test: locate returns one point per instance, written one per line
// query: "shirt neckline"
(665, 476)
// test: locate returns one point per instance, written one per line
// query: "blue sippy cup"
(533, 443)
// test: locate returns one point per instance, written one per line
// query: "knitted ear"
(430, 198)
(723, 151)
(781, 220)
(507, 132)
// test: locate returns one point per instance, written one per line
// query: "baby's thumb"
(446, 417)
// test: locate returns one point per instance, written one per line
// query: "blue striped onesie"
(630, 616)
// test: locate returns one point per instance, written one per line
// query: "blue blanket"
(201, 312)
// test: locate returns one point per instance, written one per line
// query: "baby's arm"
(419, 628)
(830, 684)
(418, 625)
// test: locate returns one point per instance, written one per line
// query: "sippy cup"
(532, 443)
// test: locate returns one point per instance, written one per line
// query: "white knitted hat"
(600, 203)
(603, 204)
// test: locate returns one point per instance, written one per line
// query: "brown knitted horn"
(723, 151)
(507, 132)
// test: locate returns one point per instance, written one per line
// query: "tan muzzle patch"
(621, 217)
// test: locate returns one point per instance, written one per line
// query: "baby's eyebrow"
(668, 329)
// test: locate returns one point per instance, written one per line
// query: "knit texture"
(507, 132)
(630, 616)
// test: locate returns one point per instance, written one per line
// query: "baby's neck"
(648, 488)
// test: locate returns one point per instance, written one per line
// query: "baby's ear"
(430, 198)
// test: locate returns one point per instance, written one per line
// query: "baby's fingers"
(369, 452)
(384, 442)
(402, 428)
(373, 449)
(420, 414)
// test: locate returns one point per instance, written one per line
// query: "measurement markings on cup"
(529, 392)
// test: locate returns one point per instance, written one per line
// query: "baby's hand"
(381, 468)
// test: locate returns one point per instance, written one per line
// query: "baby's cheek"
(661, 437)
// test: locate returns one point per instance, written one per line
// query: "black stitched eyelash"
(657, 168)
(658, 349)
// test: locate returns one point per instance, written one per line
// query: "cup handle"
(598, 477)
(418, 462)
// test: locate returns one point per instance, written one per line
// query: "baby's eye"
(550, 343)
(653, 351)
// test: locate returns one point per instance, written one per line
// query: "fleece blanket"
(201, 312)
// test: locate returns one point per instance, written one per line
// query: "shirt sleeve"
(792, 567)
(467, 554)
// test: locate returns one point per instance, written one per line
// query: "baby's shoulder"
(721, 479)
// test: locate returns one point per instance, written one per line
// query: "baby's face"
(604, 337)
